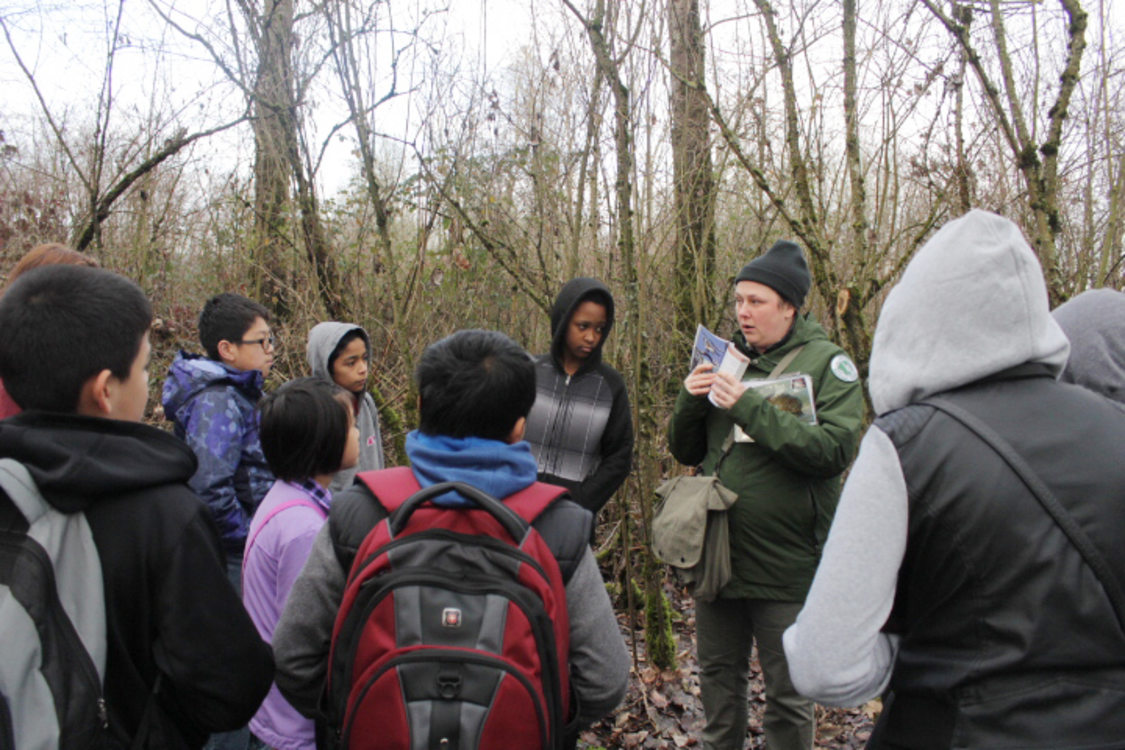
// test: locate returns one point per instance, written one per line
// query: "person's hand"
(698, 383)
(726, 390)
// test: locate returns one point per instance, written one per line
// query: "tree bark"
(271, 99)
(694, 188)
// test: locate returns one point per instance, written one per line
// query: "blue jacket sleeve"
(212, 423)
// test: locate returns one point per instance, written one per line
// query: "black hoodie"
(170, 609)
(581, 428)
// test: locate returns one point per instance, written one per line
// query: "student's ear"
(518, 428)
(227, 351)
(94, 398)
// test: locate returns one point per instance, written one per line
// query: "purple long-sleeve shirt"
(280, 537)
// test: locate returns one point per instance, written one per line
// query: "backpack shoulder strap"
(1063, 519)
(532, 500)
(269, 516)
(391, 487)
(20, 488)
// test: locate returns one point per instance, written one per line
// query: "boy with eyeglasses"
(211, 400)
(212, 403)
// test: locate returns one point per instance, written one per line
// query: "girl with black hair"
(308, 433)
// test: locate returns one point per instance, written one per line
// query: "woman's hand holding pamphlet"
(791, 393)
(722, 355)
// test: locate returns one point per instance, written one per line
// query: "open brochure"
(792, 393)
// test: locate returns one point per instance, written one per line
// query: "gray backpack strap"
(52, 615)
(1078, 538)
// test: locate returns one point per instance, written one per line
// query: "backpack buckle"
(448, 685)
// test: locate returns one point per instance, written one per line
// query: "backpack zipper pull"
(103, 713)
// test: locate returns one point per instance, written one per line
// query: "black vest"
(1008, 638)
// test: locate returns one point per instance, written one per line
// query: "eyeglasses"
(268, 343)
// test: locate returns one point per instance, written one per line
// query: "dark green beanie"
(783, 269)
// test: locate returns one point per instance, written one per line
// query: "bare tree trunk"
(273, 33)
(281, 159)
(694, 279)
(798, 168)
(317, 249)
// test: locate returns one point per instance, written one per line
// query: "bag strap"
(784, 362)
(393, 487)
(1046, 498)
(532, 500)
(21, 489)
(275, 511)
(284, 506)
(390, 487)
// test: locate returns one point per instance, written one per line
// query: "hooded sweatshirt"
(170, 609)
(969, 313)
(580, 427)
(323, 339)
(212, 408)
(1094, 322)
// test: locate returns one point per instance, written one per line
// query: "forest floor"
(662, 708)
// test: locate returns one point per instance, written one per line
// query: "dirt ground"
(662, 709)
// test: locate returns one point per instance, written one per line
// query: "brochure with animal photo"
(792, 393)
(720, 352)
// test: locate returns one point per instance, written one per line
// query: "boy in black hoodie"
(581, 427)
(74, 353)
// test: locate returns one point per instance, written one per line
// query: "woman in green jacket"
(785, 469)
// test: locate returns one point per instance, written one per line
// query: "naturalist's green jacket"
(788, 479)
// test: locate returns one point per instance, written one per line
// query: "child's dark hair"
(303, 428)
(342, 344)
(474, 384)
(227, 317)
(61, 325)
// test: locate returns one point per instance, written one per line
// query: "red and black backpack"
(453, 629)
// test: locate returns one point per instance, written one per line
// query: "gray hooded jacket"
(1094, 321)
(323, 339)
(972, 303)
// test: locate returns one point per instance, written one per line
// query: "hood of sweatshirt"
(323, 338)
(76, 460)
(191, 373)
(1094, 322)
(971, 303)
(572, 294)
(492, 466)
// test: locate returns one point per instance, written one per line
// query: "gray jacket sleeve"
(303, 635)
(837, 653)
(599, 662)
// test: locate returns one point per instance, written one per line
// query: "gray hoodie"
(971, 303)
(323, 339)
(1094, 321)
